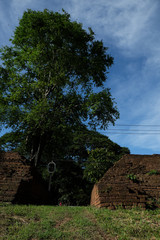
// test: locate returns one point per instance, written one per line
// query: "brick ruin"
(19, 181)
(133, 181)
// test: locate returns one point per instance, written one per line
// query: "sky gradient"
(130, 29)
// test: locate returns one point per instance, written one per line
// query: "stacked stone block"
(133, 181)
(19, 181)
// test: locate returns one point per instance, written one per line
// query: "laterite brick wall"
(117, 188)
(19, 182)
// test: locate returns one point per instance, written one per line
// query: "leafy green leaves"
(50, 79)
(99, 161)
(101, 109)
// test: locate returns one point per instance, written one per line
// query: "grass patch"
(21, 222)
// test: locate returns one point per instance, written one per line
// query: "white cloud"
(130, 20)
(18, 7)
(125, 22)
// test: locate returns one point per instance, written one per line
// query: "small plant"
(153, 172)
(151, 203)
(108, 189)
(132, 177)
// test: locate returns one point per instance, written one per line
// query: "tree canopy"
(52, 84)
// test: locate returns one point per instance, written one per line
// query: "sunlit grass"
(22, 222)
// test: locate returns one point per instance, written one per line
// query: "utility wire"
(136, 130)
(132, 131)
(137, 125)
(143, 133)
(126, 131)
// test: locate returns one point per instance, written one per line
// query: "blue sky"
(130, 28)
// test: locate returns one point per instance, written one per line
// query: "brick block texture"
(19, 181)
(116, 188)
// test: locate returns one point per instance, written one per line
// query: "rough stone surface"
(19, 181)
(133, 181)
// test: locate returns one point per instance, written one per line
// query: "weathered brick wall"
(116, 188)
(19, 182)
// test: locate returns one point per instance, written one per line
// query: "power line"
(128, 131)
(136, 130)
(143, 133)
(137, 125)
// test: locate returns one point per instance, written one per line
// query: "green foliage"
(151, 203)
(108, 189)
(52, 84)
(132, 177)
(103, 154)
(99, 161)
(68, 185)
(12, 141)
(153, 172)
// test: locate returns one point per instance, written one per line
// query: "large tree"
(52, 84)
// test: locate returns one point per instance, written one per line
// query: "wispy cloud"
(125, 22)
(130, 28)
(10, 12)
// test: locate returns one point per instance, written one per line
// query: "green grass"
(21, 222)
